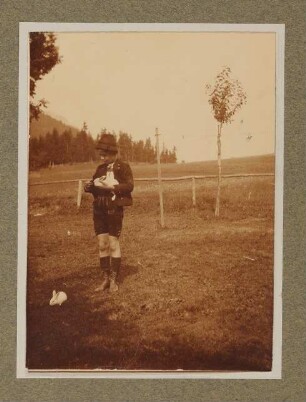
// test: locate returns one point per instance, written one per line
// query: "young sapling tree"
(225, 97)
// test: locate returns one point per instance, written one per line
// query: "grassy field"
(262, 164)
(195, 295)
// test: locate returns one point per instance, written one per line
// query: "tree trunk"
(217, 209)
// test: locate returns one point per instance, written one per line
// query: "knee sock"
(115, 264)
(105, 263)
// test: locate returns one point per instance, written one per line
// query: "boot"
(104, 265)
(106, 282)
(113, 285)
(115, 267)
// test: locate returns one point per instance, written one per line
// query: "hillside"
(249, 165)
(46, 123)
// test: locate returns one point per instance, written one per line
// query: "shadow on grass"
(190, 355)
(87, 331)
(98, 331)
(71, 337)
(127, 270)
(77, 335)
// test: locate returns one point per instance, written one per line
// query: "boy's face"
(107, 157)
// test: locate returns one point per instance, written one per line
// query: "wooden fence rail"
(164, 179)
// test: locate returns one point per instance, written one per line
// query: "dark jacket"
(123, 174)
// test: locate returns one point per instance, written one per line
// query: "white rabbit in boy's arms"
(108, 181)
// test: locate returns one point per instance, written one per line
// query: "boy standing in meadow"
(111, 186)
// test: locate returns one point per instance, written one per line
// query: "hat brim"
(107, 148)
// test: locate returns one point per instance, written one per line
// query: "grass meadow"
(194, 295)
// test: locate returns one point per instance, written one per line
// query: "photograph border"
(25, 28)
(292, 386)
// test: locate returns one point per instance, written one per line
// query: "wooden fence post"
(80, 190)
(160, 189)
(193, 192)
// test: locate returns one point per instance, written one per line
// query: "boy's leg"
(104, 250)
(115, 254)
(115, 226)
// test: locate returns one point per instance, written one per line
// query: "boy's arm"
(89, 186)
(126, 184)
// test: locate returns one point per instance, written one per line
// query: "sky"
(139, 81)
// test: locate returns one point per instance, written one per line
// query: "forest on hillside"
(56, 148)
(46, 123)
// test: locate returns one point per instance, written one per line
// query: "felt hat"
(107, 142)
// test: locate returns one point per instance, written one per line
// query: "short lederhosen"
(107, 216)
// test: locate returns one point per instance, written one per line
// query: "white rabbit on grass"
(58, 298)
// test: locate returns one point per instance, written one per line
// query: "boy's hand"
(88, 186)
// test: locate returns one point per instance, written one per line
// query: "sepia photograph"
(150, 217)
